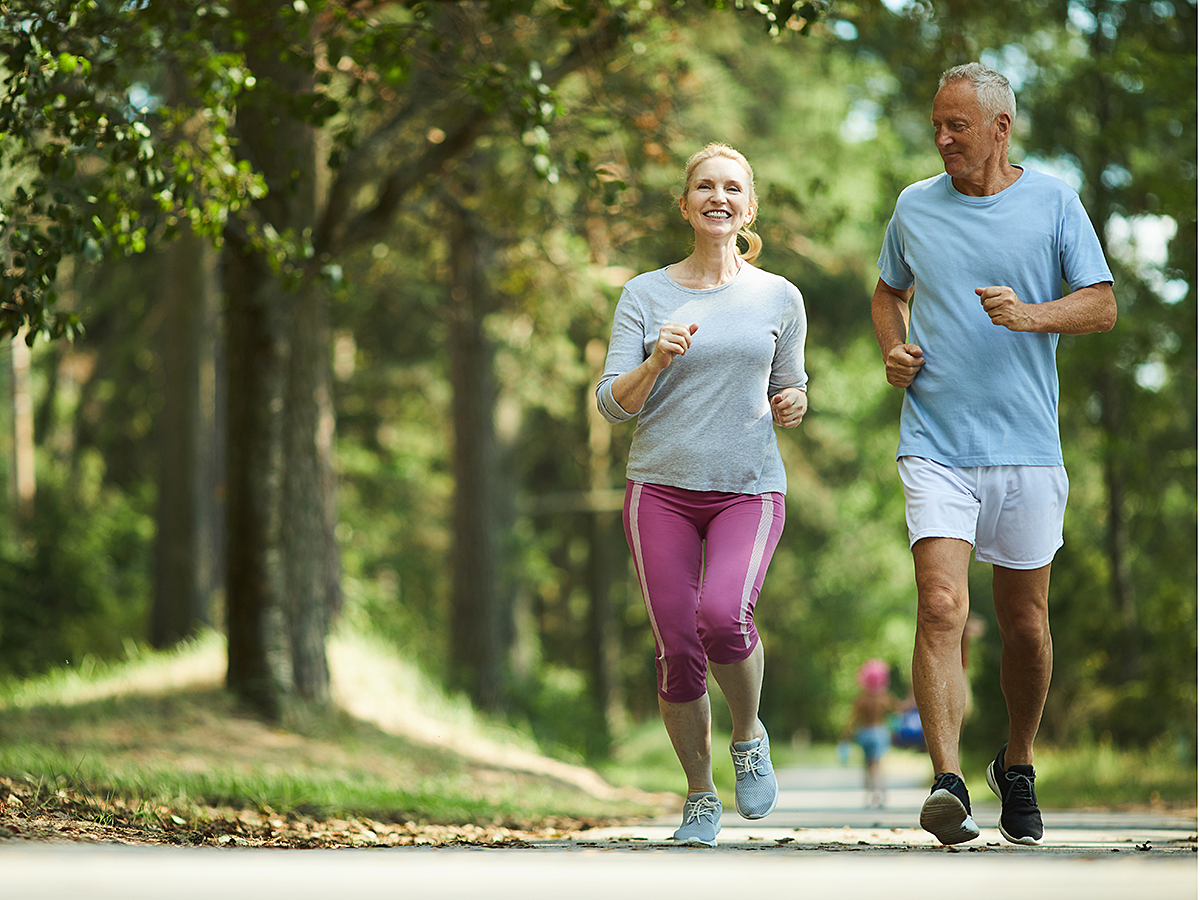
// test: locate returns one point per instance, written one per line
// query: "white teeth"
(717, 214)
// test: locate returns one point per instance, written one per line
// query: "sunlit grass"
(160, 730)
(200, 660)
(1101, 775)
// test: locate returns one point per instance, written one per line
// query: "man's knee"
(1024, 630)
(941, 609)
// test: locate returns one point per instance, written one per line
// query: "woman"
(707, 354)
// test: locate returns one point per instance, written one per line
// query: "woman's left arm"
(789, 402)
(788, 407)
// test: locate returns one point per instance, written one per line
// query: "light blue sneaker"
(701, 820)
(756, 791)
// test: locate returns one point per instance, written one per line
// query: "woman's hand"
(788, 407)
(673, 340)
(632, 388)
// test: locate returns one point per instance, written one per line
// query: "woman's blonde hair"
(754, 243)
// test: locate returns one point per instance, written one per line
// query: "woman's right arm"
(631, 388)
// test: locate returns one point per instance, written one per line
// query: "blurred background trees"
(423, 214)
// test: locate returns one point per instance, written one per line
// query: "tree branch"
(337, 233)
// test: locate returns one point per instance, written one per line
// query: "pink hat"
(873, 676)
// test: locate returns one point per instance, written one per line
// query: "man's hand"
(1005, 308)
(889, 313)
(903, 363)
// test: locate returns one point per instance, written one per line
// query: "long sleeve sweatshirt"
(706, 425)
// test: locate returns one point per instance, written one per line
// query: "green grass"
(107, 733)
(174, 750)
(1101, 775)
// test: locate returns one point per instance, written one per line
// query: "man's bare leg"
(939, 682)
(1027, 657)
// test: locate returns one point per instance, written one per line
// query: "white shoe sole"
(943, 816)
(695, 842)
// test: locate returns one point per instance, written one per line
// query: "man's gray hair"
(992, 89)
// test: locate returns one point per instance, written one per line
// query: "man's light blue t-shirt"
(986, 396)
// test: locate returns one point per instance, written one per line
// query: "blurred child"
(868, 724)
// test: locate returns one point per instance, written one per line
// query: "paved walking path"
(819, 842)
(824, 807)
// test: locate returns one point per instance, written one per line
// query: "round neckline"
(742, 266)
(985, 198)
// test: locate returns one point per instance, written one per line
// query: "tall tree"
(478, 628)
(189, 514)
(1133, 138)
(280, 594)
(189, 533)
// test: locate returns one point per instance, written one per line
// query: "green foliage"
(561, 717)
(76, 587)
(96, 162)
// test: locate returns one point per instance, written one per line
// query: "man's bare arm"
(1085, 311)
(889, 313)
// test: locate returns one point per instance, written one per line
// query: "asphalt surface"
(826, 808)
(820, 842)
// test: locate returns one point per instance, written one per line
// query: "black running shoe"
(946, 813)
(1020, 819)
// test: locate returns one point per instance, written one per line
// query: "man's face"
(970, 145)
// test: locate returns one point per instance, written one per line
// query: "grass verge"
(135, 754)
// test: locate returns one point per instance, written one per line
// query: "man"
(982, 253)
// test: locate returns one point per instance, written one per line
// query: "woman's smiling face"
(718, 198)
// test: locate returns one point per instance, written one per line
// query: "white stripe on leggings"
(765, 521)
(635, 532)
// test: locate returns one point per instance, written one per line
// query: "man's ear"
(1004, 126)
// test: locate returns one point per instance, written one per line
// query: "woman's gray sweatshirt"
(706, 425)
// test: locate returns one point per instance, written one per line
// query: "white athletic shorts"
(1013, 515)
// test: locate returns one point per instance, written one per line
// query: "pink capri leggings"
(700, 558)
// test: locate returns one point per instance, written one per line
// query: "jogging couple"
(708, 355)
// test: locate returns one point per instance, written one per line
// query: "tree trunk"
(1103, 203)
(310, 571)
(282, 575)
(254, 586)
(478, 633)
(188, 518)
(606, 558)
(24, 477)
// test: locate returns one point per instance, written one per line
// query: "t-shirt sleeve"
(892, 267)
(1081, 255)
